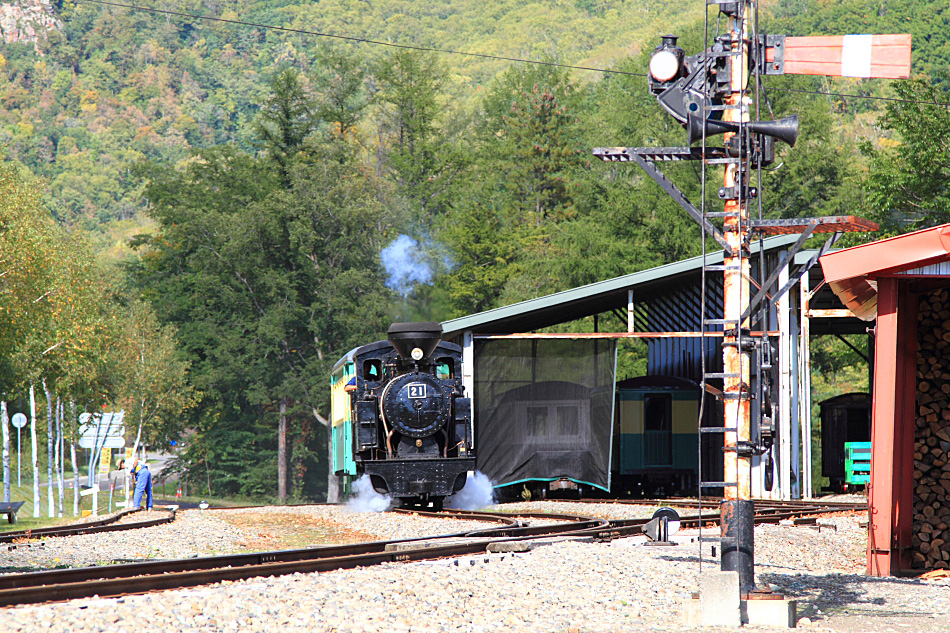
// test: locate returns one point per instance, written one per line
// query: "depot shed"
(903, 283)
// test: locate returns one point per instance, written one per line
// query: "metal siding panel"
(543, 310)
(938, 269)
(631, 453)
(684, 450)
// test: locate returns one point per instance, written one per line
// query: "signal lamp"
(664, 65)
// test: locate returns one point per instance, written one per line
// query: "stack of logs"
(931, 536)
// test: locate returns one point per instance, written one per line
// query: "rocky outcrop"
(27, 20)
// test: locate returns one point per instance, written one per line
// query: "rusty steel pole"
(737, 508)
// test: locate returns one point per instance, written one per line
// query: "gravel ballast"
(567, 586)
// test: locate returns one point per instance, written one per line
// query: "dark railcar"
(844, 418)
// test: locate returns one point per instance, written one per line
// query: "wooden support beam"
(831, 314)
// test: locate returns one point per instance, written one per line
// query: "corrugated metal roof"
(595, 298)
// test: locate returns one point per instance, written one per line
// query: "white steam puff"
(477, 493)
(405, 264)
(366, 499)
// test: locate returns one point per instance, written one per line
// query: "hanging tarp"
(544, 409)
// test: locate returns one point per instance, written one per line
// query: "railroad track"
(116, 580)
(780, 509)
(767, 512)
(110, 523)
(107, 524)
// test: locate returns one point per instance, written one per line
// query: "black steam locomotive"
(399, 415)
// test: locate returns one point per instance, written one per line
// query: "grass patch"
(280, 530)
(25, 518)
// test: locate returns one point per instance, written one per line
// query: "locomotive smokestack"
(415, 340)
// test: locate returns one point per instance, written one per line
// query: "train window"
(444, 368)
(537, 418)
(554, 422)
(567, 420)
(372, 370)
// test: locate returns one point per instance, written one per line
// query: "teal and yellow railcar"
(655, 436)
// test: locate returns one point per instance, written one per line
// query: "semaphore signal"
(709, 94)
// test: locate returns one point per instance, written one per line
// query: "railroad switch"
(665, 522)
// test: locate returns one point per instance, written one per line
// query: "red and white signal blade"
(880, 56)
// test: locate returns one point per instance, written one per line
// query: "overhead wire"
(447, 51)
(360, 40)
(868, 97)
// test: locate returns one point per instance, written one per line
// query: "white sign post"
(19, 421)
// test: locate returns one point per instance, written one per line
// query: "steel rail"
(110, 524)
(774, 513)
(805, 506)
(127, 570)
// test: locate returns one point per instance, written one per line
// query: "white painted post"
(784, 364)
(804, 402)
(36, 468)
(468, 375)
(72, 455)
(94, 491)
(630, 311)
(795, 364)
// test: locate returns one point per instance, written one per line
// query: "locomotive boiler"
(400, 416)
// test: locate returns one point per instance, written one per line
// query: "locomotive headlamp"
(417, 353)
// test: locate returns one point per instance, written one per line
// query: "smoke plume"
(405, 264)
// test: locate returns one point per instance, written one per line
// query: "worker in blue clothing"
(143, 483)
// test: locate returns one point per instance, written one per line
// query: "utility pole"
(709, 94)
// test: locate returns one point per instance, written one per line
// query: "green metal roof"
(595, 298)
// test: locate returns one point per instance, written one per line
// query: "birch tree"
(153, 380)
(5, 422)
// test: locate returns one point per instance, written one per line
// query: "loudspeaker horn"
(783, 129)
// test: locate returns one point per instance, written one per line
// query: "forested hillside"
(287, 195)
(112, 87)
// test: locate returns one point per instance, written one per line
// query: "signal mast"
(710, 94)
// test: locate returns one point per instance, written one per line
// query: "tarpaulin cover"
(544, 409)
